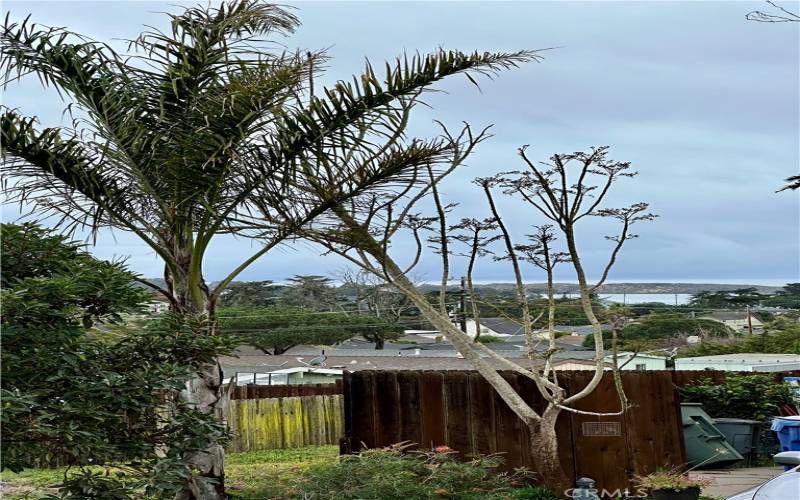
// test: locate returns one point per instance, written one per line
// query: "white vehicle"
(783, 487)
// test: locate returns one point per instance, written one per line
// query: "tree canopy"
(660, 326)
(311, 292)
(251, 293)
(274, 330)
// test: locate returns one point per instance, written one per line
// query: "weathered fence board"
(288, 422)
(253, 391)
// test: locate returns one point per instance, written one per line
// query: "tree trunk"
(203, 393)
(379, 343)
(544, 450)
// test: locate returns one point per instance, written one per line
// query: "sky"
(703, 103)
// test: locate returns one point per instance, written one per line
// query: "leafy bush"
(647, 331)
(781, 336)
(488, 339)
(754, 397)
(395, 474)
(85, 400)
(672, 479)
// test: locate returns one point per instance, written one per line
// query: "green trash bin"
(744, 435)
(706, 446)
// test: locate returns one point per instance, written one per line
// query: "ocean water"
(672, 299)
(639, 298)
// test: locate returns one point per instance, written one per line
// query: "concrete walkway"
(728, 482)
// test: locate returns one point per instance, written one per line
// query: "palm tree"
(201, 131)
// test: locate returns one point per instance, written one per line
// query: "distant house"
(500, 327)
(157, 306)
(746, 362)
(584, 360)
(736, 321)
(287, 376)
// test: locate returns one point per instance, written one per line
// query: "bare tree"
(541, 254)
(364, 229)
(471, 232)
(778, 15)
(379, 298)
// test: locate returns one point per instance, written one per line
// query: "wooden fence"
(252, 391)
(285, 422)
(461, 410)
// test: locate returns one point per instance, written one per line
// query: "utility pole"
(463, 306)
(749, 321)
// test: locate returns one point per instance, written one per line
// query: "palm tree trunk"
(203, 393)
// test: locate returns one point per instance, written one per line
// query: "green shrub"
(533, 493)
(395, 474)
(488, 339)
(753, 397)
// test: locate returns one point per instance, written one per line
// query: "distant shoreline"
(631, 287)
(562, 287)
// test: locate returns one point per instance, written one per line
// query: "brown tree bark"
(204, 391)
(544, 450)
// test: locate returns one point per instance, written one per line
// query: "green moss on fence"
(291, 422)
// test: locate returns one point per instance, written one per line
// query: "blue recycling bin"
(788, 431)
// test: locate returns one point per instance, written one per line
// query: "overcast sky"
(703, 102)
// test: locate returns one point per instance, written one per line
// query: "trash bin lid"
(725, 420)
(778, 423)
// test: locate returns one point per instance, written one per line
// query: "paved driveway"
(727, 482)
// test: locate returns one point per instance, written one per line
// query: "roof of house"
(749, 358)
(502, 326)
(574, 340)
(251, 364)
(728, 316)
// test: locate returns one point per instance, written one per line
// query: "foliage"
(251, 294)
(277, 329)
(727, 299)
(673, 479)
(81, 399)
(380, 299)
(279, 473)
(781, 336)
(659, 326)
(488, 339)
(252, 475)
(788, 297)
(532, 493)
(391, 473)
(754, 397)
(645, 308)
(567, 311)
(311, 292)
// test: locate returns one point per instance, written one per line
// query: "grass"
(253, 475)
(266, 474)
(30, 483)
